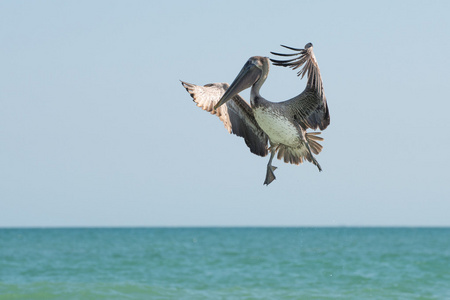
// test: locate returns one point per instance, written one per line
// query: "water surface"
(225, 263)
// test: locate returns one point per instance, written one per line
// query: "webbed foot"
(270, 176)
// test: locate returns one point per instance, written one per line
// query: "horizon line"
(232, 226)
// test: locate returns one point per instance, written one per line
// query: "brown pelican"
(285, 123)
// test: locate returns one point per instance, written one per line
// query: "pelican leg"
(313, 160)
(270, 176)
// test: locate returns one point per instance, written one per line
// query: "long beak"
(245, 79)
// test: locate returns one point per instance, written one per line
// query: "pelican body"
(283, 124)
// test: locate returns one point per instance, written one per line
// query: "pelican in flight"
(283, 124)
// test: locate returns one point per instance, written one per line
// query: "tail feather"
(312, 139)
(298, 155)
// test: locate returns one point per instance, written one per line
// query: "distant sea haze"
(225, 263)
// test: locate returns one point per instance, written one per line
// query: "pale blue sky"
(96, 130)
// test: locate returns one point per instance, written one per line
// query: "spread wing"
(310, 108)
(236, 115)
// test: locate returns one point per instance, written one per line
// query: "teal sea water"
(225, 263)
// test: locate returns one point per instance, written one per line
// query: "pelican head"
(254, 71)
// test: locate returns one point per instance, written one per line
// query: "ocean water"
(225, 263)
